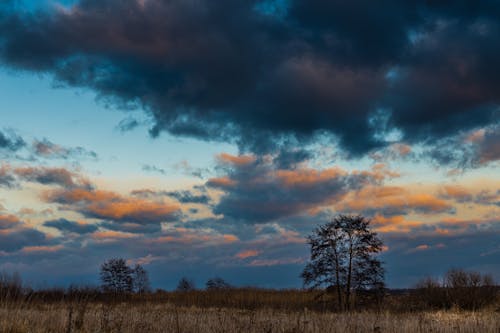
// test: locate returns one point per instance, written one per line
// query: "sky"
(206, 138)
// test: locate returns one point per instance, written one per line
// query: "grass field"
(145, 317)
(228, 311)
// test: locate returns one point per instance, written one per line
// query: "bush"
(466, 290)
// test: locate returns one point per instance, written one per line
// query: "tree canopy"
(343, 258)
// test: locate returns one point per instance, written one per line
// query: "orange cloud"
(396, 200)
(221, 182)
(8, 221)
(396, 223)
(109, 234)
(236, 160)
(42, 249)
(247, 254)
(194, 237)
(456, 192)
(112, 206)
(307, 177)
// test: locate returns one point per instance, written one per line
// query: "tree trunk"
(337, 277)
(349, 277)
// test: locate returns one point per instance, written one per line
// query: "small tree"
(185, 284)
(116, 276)
(343, 258)
(217, 283)
(140, 280)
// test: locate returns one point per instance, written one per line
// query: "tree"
(185, 284)
(116, 276)
(343, 258)
(467, 290)
(217, 283)
(140, 280)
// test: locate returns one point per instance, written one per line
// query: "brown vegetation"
(227, 310)
(165, 317)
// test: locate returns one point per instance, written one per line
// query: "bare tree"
(467, 290)
(343, 258)
(217, 283)
(116, 276)
(140, 280)
(185, 284)
(10, 285)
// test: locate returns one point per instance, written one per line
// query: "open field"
(152, 317)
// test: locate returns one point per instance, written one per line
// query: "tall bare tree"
(343, 258)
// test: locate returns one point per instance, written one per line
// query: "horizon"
(209, 138)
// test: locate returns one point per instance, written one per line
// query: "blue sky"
(247, 133)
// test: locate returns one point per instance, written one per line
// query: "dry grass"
(124, 317)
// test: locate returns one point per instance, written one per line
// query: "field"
(236, 311)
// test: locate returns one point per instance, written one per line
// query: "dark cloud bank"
(257, 73)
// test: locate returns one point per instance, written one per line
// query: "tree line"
(117, 277)
(343, 273)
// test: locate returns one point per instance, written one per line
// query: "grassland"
(228, 311)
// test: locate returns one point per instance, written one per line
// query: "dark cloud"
(136, 228)
(52, 176)
(288, 158)
(153, 169)
(71, 226)
(256, 190)
(189, 197)
(17, 239)
(47, 149)
(471, 149)
(10, 141)
(6, 178)
(127, 124)
(411, 257)
(183, 196)
(256, 72)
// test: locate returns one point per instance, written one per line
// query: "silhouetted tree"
(343, 258)
(459, 288)
(10, 285)
(217, 283)
(468, 289)
(140, 280)
(185, 284)
(116, 276)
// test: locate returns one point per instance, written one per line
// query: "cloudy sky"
(207, 138)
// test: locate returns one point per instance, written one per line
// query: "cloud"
(48, 149)
(247, 254)
(182, 196)
(8, 221)
(153, 169)
(52, 176)
(189, 197)
(258, 190)
(6, 178)
(64, 225)
(365, 74)
(456, 192)
(471, 149)
(111, 206)
(131, 227)
(127, 124)
(10, 141)
(393, 200)
(15, 239)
